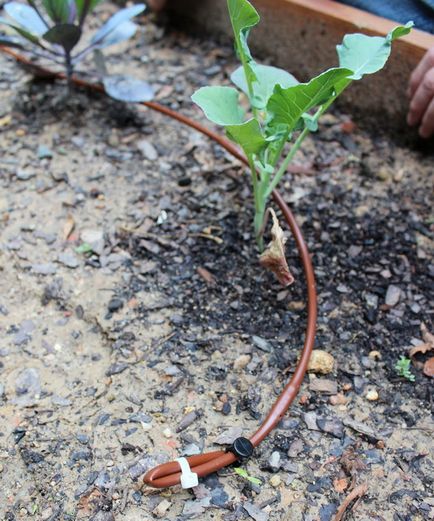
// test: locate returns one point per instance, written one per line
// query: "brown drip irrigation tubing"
(168, 474)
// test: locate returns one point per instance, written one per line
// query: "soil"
(136, 324)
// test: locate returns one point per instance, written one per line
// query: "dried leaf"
(207, 276)
(68, 227)
(428, 367)
(273, 257)
(426, 335)
(427, 345)
(340, 484)
(420, 348)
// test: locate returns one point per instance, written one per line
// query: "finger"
(421, 99)
(426, 128)
(419, 72)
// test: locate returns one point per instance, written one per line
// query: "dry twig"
(356, 493)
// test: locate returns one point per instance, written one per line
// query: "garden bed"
(170, 333)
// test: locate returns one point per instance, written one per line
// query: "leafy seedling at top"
(281, 112)
(402, 368)
(52, 29)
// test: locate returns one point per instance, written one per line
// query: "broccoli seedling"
(52, 29)
(402, 367)
(281, 111)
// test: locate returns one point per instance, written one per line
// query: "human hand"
(421, 94)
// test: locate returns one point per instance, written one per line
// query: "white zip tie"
(189, 479)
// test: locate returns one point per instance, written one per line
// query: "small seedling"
(402, 367)
(244, 474)
(281, 111)
(52, 30)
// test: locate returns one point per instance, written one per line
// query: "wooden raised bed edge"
(301, 35)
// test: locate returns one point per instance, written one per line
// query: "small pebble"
(393, 295)
(275, 481)
(241, 362)
(372, 395)
(162, 508)
(321, 362)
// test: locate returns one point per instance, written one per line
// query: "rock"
(24, 334)
(326, 512)
(28, 387)
(261, 343)
(219, 497)
(255, 512)
(296, 447)
(44, 269)
(95, 239)
(241, 362)
(274, 461)
(60, 401)
(115, 304)
(393, 295)
(275, 481)
(191, 449)
(322, 385)
(227, 437)
(338, 399)
(68, 259)
(116, 368)
(195, 507)
(372, 395)
(188, 419)
(321, 362)
(147, 150)
(172, 370)
(44, 152)
(310, 419)
(162, 507)
(23, 175)
(144, 464)
(332, 426)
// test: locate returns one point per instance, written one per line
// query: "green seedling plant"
(53, 29)
(402, 368)
(281, 112)
(245, 475)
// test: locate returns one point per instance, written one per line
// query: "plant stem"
(259, 203)
(279, 174)
(69, 70)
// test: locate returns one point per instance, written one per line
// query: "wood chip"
(68, 227)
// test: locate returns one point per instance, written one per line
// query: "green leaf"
(85, 6)
(244, 474)
(23, 32)
(11, 41)
(26, 17)
(66, 35)
(287, 106)
(267, 77)
(85, 247)
(220, 105)
(248, 135)
(126, 88)
(116, 20)
(367, 54)
(58, 10)
(243, 17)
(122, 32)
